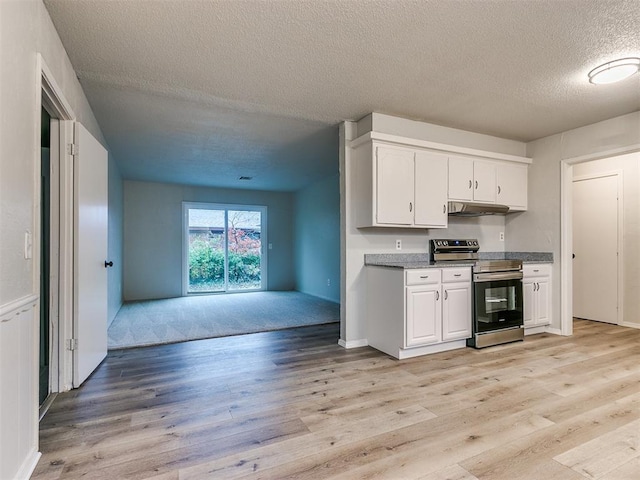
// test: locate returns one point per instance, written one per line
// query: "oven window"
(498, 299)
(498, 304)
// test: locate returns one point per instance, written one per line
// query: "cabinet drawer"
(536, 270)
(456, 275)
(422, 277)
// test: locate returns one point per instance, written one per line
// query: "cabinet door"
(528, 302)
(394, 182)
(430, 190)
(460, 179)
(543, 307)
(424, 315)
(512, 186)
(484, 178)
(456, 311)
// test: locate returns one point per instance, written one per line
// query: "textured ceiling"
(202, 92)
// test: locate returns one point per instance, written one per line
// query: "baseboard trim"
(630, 325)
(554, 331)
(29, 465)
(353, 343)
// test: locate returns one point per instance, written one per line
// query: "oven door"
(498, 301)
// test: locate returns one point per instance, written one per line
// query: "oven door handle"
(492, 277)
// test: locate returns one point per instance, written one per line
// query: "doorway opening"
(597, 242)
(53, 237)
(223, 248)
(629, 229)
(44, 385)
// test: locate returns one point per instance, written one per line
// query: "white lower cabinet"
(536, 286)
(424, 315)
(416, 312)
(456, 311)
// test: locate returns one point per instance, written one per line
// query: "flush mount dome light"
(615, 71)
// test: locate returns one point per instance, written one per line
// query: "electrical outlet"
(328, 282)
(502, 236)
(398, 244)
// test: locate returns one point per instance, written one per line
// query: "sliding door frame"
(186, 206)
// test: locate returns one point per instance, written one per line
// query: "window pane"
(206, 250)
(245, 247)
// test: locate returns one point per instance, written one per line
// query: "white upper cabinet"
(460, 179)
(401, 182)
(395, 185)
(430, 190)
(472, 180)
(399, 187)
(484, 182)
(512, 185)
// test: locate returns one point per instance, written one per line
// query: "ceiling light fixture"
(614, 71)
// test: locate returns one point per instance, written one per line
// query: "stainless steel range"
(497, 292)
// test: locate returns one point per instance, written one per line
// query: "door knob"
(108, 264)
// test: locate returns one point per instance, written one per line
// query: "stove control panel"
(443, 245)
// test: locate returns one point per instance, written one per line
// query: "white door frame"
(223, 206)
(620, 233)
(50, 97)
(566, 229)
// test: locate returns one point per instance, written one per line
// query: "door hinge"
(72, 149)
(72, 344)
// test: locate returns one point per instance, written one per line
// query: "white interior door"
(595, 246)
(90, 254)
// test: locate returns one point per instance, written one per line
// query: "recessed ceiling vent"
(245, 178)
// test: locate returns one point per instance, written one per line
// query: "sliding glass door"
(223, 248)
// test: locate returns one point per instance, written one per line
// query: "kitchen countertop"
(422, 260)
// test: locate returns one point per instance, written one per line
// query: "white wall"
(357, 242)
(629, 165)
(153, 235)
(539, 228)
(317, 239)
(25, 30)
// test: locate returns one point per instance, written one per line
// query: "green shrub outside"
(206, 265)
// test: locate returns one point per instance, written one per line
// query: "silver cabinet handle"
(457, 274)
(437, 295)
(424, 276)
(476, 184)
(410, 206)
(499, 189)
(444, 209)
(446, 295)
(470, 183)
(536, 270)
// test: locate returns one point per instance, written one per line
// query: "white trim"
(554, 331)
(226, 207)
(630, 325)
(566, 208)
(29, 465)
(49, 95)
(619, 174)
(353, 343)
(534, 330)
(66, 280)
(614, 152)
(412, 142)
(54, 98)
(13, 309)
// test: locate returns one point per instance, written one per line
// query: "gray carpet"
(153, 322)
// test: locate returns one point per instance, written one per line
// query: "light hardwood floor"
(294, 405)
